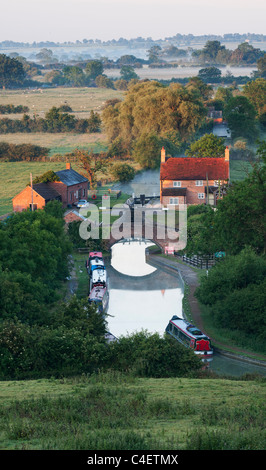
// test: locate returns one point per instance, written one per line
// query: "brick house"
(72, 186)
(38, 196)
(190, 180)
(69, 189)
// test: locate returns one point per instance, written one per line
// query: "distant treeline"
(11, 109)
(21, 152)
(55, 121)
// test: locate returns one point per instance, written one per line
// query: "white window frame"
(174, 201)
(177, 184)
(199, 182)
(201, 196)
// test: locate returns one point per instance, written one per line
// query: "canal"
(142, 297)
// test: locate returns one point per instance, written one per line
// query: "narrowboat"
(190, 337)
(99, 296)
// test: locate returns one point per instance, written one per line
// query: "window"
(201, 196)
(174, 201)
(199, 183)
(177, 184)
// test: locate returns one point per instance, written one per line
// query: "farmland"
(81, 100)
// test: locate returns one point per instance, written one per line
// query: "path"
(190, 277)
(72, 282)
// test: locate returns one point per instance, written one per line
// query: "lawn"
(116, 412)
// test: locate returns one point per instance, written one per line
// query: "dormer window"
(177, 184)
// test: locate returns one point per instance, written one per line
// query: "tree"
(240, 115)
(94, 68)
(91, 164)
(102, 81)
(46, 177)
(128, 73)
(255, 91)
(147, 151)
(74, 75)
(171, 113)
(210, 74)
(208, 145)
(261, 63)
(245, 54)
(123, 172)
(154, 53)
(205, 91)
(12, 73)
(58, 121)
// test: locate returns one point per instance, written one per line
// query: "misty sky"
(69, 20)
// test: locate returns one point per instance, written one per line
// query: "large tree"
(255, 91)
(171, 113)
(209, 145)
(12, 73)
(240, 115)
(94, 68)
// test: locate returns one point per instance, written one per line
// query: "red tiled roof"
(190, 168)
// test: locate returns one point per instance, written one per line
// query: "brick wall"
(23, 200)
(191, 193)
(70, 194)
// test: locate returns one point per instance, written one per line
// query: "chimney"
(68, 166)
(163, 155)
(226, 154)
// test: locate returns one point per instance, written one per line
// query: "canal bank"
(190, 278)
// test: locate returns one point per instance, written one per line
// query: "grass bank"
(114, 412)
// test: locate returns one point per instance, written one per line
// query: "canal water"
(142, 297)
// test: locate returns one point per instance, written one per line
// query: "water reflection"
(140, 296)
(134, 310)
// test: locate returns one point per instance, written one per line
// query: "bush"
(123, 172)
(149, 355)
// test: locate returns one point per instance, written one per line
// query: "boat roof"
(95, 254)
(97, 293)
(98, 275)
(187, 327)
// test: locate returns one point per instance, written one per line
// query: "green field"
(114, 412)
(39, 101)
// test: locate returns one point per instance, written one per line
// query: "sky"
(71, 20)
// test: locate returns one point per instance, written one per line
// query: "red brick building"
(69, 189)
(192, 180)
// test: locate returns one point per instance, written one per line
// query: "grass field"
(39, 101)
(114, 412)
(60, 143)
